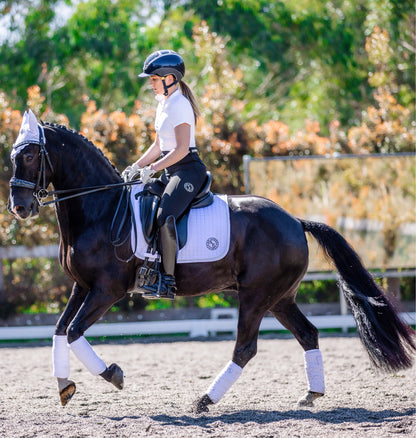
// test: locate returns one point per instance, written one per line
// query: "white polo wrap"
(85, 354)
(230, 373)
(314, 368)
(60, 355)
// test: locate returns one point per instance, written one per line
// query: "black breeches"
(184, 180)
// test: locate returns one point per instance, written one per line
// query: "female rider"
(173, 151)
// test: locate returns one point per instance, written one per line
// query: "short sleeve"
(181, 112)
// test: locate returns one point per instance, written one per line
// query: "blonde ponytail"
(187, 92)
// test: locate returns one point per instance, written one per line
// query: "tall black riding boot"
(166, 287)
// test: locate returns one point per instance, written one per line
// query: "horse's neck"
(78, 169)
(80, 165)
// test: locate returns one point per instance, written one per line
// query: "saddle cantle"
(149, 203)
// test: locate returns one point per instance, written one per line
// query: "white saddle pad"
(208, 231)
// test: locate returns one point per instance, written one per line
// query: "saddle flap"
(182, 230)
(149, 203)
(148, 208)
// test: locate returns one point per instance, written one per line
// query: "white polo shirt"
(172, 112)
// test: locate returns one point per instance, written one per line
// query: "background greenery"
(272, 78)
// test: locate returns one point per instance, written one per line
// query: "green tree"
(94, 53)
(310, 58)
(27, 46)
(299, 60)
(98, 54)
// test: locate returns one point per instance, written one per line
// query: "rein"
(81, 191)
(116, 241)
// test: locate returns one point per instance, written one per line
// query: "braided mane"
(84, 139)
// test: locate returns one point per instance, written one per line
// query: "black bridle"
(40, 193)
(39, 187)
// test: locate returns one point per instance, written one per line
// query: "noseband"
(39, 188)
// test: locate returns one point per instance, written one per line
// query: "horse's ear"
(42, 122)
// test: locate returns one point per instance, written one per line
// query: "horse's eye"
(28, 158)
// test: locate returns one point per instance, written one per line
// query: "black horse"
(266, 261)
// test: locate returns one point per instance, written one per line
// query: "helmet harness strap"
(166, 87)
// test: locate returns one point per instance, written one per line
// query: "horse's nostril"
(18, 209)
(22, 212)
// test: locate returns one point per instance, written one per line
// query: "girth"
(149, 200)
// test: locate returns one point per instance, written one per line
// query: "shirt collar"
(176, 93)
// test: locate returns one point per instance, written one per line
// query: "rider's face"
(157, 84)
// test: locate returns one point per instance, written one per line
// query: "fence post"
(343, 307)
(1, 275)
(393, 287)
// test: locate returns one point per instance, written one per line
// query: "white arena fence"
(221, 320)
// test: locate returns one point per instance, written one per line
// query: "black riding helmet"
(163, 63)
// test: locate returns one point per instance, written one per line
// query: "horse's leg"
(250, 317)
(94, 306)
(60, 348)
(306, 333)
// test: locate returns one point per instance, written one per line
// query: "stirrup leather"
(149, 272)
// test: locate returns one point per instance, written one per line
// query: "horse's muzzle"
(21, 210)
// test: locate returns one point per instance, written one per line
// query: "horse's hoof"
(67, 393)
(308, 399)
(201, 405)
(117, 376)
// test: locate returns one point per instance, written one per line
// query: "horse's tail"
(389, 342)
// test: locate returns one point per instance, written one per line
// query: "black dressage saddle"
(149, 200)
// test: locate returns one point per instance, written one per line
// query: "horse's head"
(31, 174)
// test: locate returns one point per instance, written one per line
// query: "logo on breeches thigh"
(188, 187)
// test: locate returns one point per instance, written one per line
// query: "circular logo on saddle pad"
(212, 243)
(188, 187)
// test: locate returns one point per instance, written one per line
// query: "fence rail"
(192, 327)
(19, 252)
